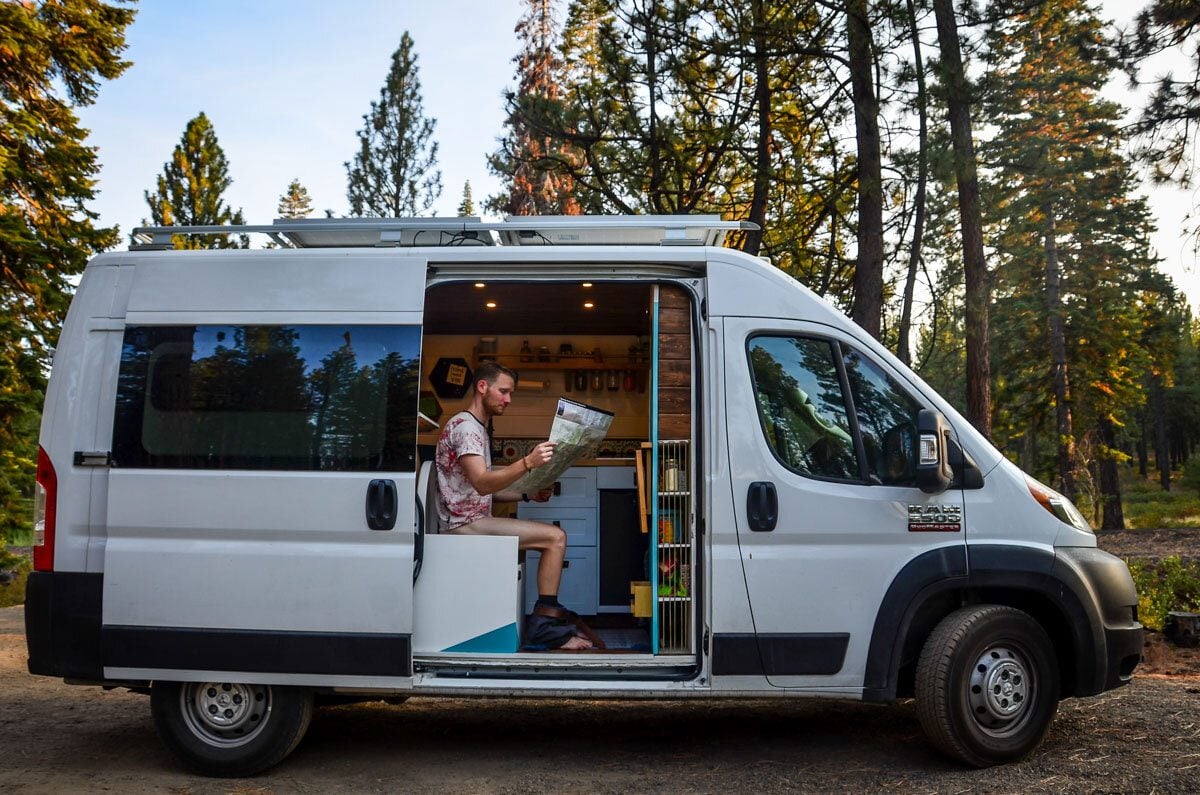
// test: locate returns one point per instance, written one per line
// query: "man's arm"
(494, 481)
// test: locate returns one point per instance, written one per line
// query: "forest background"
(952, 175)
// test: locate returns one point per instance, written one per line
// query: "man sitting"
(467, 485)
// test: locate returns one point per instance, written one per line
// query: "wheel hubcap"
(223, 713)
(1000, 690)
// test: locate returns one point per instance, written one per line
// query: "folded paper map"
(577, 432)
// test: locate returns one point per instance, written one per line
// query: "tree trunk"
(867, 307)
(762, 101)
(914, 254)
(1112, 517)
(1058, 356)
(1162, 455)
(1143, 453)
(958, 97)
(654, 193)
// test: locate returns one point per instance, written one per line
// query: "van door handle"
(381, 504)
(762, 506)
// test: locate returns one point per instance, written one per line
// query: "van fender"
(938, 571)
(1059, 590)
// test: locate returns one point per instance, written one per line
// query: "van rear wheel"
(987, 685)
(229, 729)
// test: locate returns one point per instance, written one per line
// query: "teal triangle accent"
(504, 639)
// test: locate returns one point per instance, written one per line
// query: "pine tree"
(527, 161)
(191, 188)
(52, 59)
(295, 202)
(1171, 117)
(394, 172)
(466, 208)
(1070, 236)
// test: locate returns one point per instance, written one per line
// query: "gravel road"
(59, 738)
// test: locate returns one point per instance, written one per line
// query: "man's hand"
(542, 496)
(540, 455)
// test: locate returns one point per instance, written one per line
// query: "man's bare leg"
(548, 539)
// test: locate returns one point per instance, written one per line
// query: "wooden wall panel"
(675, 363)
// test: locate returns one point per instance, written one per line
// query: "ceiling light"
(587, 284)
(490, 304)
(480, 284)
(588, 305)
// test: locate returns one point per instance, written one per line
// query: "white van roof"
(540, 230)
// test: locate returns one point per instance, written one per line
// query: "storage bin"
(642, 599)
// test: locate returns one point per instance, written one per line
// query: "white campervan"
(234, 482)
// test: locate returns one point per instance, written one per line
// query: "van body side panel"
(70, 417)
(265, 405)
(818, 574)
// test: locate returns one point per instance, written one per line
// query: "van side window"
(887, 419)
(802, 407)
(328, 398)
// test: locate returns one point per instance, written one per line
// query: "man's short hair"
(490, 371)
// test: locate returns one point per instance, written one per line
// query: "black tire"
(229, 730)
(987, 685)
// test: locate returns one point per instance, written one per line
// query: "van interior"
(628, 510)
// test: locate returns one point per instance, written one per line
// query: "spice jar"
(581, 380)
(630, 382)
(597, 380)
(613, 380)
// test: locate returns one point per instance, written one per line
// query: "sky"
(285, 84)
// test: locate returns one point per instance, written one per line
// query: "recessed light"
(588, 305)
(587, 284)
(490, 304)
(480, 284)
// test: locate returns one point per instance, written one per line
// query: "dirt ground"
(59, 738)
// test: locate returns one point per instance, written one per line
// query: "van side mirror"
(933, 459)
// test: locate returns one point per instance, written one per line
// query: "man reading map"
(467, 486)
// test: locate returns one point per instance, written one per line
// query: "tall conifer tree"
(190, 191)
(52, 60)
(1070, 234)
(529, 160)
(394, 173)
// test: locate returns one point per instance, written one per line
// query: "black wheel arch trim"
(1090, 589)
(930, 573)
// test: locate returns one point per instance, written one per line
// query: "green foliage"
(1148, 507)
(13, 593)
(1162, 587)
(190, 191)
(52, 59)
(394, 172)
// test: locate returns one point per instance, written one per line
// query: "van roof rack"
(525, 230)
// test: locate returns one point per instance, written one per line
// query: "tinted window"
(339, 398)
(801, 405)
(887, 419)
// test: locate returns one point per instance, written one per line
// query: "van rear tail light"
(44, 501)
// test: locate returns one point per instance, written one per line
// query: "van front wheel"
(229, 729)
(987, 685)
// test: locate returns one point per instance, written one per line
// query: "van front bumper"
(1106, 579)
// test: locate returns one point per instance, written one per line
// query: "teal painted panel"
(504, 639)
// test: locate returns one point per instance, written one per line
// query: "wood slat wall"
(675, 363)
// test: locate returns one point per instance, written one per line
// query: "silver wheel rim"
(1001, 690)
(225, 714)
